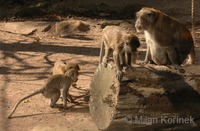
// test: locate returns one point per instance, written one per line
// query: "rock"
(26, 28)
(70, 28)
(152, 93)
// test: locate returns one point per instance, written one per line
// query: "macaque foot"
(190, 62)
(56, 105)
(127, 67)
(65, 106)
(105, 62)
(146, 62)
(119, 75)
(181, 71)
(74, 85)
(70, 100)
(179, 68)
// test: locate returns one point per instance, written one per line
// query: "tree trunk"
(150, 97)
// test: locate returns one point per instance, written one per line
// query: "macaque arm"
(64, 94)
(148, 55)
(105, 58)
(102, 51)
(117, 62)
(172, 54)
(128, 59)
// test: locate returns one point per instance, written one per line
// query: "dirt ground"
(26, 62)
(28, 51)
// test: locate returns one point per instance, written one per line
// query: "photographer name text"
(162, 120)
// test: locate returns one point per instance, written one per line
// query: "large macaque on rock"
(168, 41)
(122, 44)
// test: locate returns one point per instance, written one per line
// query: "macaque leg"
(128, 59)
(122, 60)
(105, 58)
(70, 99)
(172, 55)
(102, 51)
(54, 98)
(191, 55)
(65, 95)
(134, 57)
(148, 55)
(116, 57)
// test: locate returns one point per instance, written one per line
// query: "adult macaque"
(168, 41)
(52, 88)
(122, 44)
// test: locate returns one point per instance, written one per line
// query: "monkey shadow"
(178, 90)
(46, 48)
(184, 98)
(81, 107)
(76, 107)
(76, 36)
(79, 88)
(37, 114)
(81, 99)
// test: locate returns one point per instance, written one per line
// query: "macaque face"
(144, 20)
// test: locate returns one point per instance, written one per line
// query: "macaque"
(60, 67)
(168, 41)
(122, 44)
(52, 88)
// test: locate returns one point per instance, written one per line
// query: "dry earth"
(26, 62)
(28, 51)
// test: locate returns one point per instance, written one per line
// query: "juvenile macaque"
(122, 44)
(60, 67)
(52, 88)
(168, 41)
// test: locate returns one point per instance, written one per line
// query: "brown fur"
(123, 45)
(52, 88)
(60, 67)
(168, 41)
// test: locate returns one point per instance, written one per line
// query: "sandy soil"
(26, 62)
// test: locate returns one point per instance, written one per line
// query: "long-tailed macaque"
(60, 67)
(122, 44)
(168, 41)
(52, 87)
